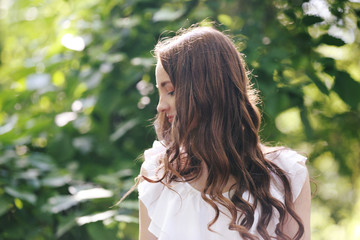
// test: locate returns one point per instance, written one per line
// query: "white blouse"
(180, 213)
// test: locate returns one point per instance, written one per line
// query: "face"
(166, 93)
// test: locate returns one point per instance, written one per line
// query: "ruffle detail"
(293, 164)
(168, 208)
(178, 212)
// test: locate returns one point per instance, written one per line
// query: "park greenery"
(77, 98)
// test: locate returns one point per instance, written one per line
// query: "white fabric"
(180, 213)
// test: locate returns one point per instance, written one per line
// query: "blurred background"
(77, 97)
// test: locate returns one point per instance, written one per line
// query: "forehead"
(162, 78)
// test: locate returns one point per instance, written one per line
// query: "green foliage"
(309, 20)
(77, 95)
(348, 89)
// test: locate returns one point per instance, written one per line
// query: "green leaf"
(328, 65)
(357, 12)
(126, 218)
(29, 174)
(56, 181)
(130, 204)
(167, 14)
(4, 206)
(290, 13)
(331, 40)
(6, 156)
(66, 223)
(95, 217)
(306, 122)
(309, 20)
(27, 196)
(9, 126)
(123, 129)
(348, 89)
(58, 144)
(41, 161)
(60, 203)
(321, 86)
(97, 231)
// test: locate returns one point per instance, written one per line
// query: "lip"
(170, 118)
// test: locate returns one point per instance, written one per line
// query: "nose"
(162, 106)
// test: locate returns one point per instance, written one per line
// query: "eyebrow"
(163, 84)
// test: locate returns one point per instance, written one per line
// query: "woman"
(209, 177)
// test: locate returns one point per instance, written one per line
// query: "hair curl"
(217, 123)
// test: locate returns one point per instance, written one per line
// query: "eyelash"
(172, 93)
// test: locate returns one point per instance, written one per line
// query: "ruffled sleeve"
(153, 156)
(176, 212)
(151, 169)
(293, 164)
(149, 193)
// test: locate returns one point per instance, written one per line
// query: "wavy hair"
(217, 123)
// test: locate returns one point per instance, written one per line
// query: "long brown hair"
(217, 123)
